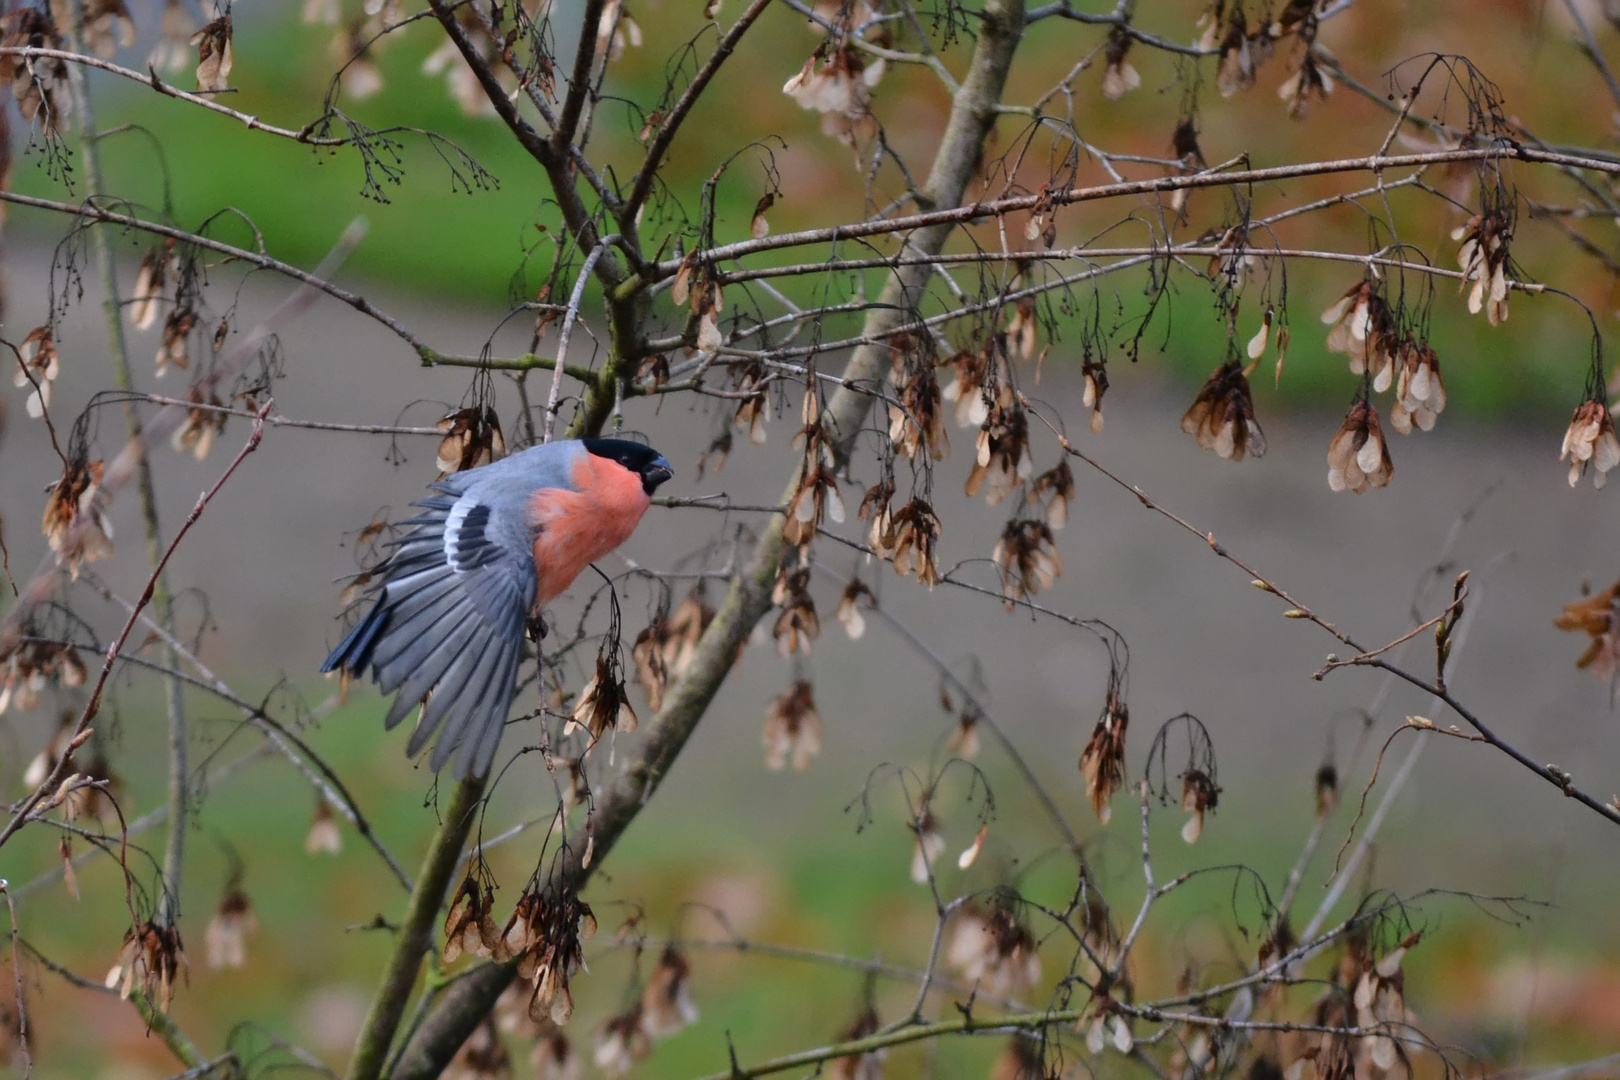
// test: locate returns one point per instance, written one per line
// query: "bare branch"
(979, 211)
(642, 185)
(59, 772)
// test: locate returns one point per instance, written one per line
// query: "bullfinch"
(490, 549)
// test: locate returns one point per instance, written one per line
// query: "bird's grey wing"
(448, 622)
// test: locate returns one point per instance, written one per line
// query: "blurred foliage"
(835, 889)
(440, 236)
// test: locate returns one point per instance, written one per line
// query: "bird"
(490, 548)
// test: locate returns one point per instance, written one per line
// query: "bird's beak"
(656, 474)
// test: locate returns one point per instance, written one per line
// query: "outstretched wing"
(447, 623)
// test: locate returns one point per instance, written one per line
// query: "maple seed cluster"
(460, 79)
(1027, 557)
(1102, 762)
(604, 703)
(472, 437)
(1420, 395)
(27, 669)
(323, 837)
(544, 935)
(817, 498)
(664, 1008)
(1597, 616)
(1221, 417)
(927, 844)
(151, 960)
(994, 950)
(1199, 795)
(798, 624)
(1380, 1004)
(86, 792)
(849, 613)
(1358, 455)
(38, 366)
(75, 524)
(553, 1055)
(836, 81)
(752, 411)
(205, 420)
(1002, 459)
(908, 537)
(1590, 442)
(1119, 77)
(233, 923)
(1366, 329)
(665, 647)
(38, 84)
(982, 380)
(696, 287)
(917, 418)
(793, 729)
(1363, 328)
(1484, 261)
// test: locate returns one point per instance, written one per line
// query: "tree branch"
(961, 215)
(90, 212)
(973, 114)
(303, 135)
(579, 84)
(641, 187)
(59, 772)
(162, 598)
(1550, 773)
(415, 936)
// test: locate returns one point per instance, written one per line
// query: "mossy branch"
(416, 931)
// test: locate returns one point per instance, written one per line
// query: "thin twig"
(317, 279)
(554, 398)
(58, 772)
(1054, 813)
(321, 776)
(645, 176)
(278, 420)
(150, 79)
(22, 1034)
(979, 211)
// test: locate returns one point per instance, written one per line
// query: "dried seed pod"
(1590, 441)
(1483, 257)
(1102, 763)
(1358, 454)
(214, 56)
(1221, 417)
(793, 728)
(233, 923)
(993, 948)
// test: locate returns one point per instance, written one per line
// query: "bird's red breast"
(578, 527)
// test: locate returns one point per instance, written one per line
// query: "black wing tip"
(353, 653)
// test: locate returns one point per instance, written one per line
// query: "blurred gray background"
(269, 553)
